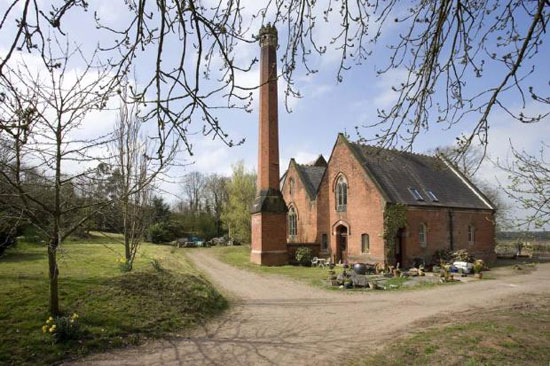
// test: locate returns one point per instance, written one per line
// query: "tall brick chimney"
(269, 209)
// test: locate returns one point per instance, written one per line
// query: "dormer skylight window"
(432, 196)
(417, 196)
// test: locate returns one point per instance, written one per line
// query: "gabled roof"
(310, 175)
(396, 174)
(399, 173)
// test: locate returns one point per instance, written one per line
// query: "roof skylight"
(416, 194)
(432, 196)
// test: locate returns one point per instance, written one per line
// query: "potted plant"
(396, 272)
(478, 268)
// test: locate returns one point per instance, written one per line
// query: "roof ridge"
(394, 150)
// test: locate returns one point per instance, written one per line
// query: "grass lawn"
(115, 308)
(518, 335)
(239, 256)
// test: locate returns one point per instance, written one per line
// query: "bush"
(7, 239)
(463, 255)
(32, 235)
(160, 233)
(479, 265)
(303, 256)
(442, 255)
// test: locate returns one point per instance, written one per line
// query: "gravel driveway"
(278, 321)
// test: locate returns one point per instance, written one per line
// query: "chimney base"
(269, 239)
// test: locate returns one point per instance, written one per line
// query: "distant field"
(115, 308)
(532, 248)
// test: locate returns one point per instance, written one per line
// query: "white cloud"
(386, 96)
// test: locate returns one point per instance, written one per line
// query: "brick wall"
(364, 213)
(483, 223)
(306, 209)
(438, 233)
(268, 244)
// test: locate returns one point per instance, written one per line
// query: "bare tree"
(468, 162)
(136, 166)
(440, 43)
(40, 114)
(216, 192)
(530, 186)
(194, 184)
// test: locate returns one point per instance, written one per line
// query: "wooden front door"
(341, 244)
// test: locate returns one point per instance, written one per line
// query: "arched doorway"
(341, 244)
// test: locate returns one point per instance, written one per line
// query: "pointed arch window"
(341, 194)
(292, 222)
(291, 185)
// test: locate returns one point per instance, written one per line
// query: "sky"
(325, 109)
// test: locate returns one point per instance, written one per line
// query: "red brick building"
(338, 206)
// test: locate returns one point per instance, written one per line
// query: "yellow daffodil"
(52, 329)
(44, 328)
(50, 320)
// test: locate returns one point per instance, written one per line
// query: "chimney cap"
(268, 35)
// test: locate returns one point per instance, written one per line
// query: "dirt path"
(278, 321)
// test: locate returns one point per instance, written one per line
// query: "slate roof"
(311, 176)
(397, 172)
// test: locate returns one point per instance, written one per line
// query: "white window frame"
(423, 235)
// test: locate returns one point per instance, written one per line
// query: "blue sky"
(326, 107)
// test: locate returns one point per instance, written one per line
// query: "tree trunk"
(53, 275)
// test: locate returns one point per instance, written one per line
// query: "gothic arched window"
(291, 185)
(341, 194)
(292, 222)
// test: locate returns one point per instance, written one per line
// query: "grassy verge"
(115, 308)
(239, 257)
(518, 335)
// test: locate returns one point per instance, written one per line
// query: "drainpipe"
(451, 229)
